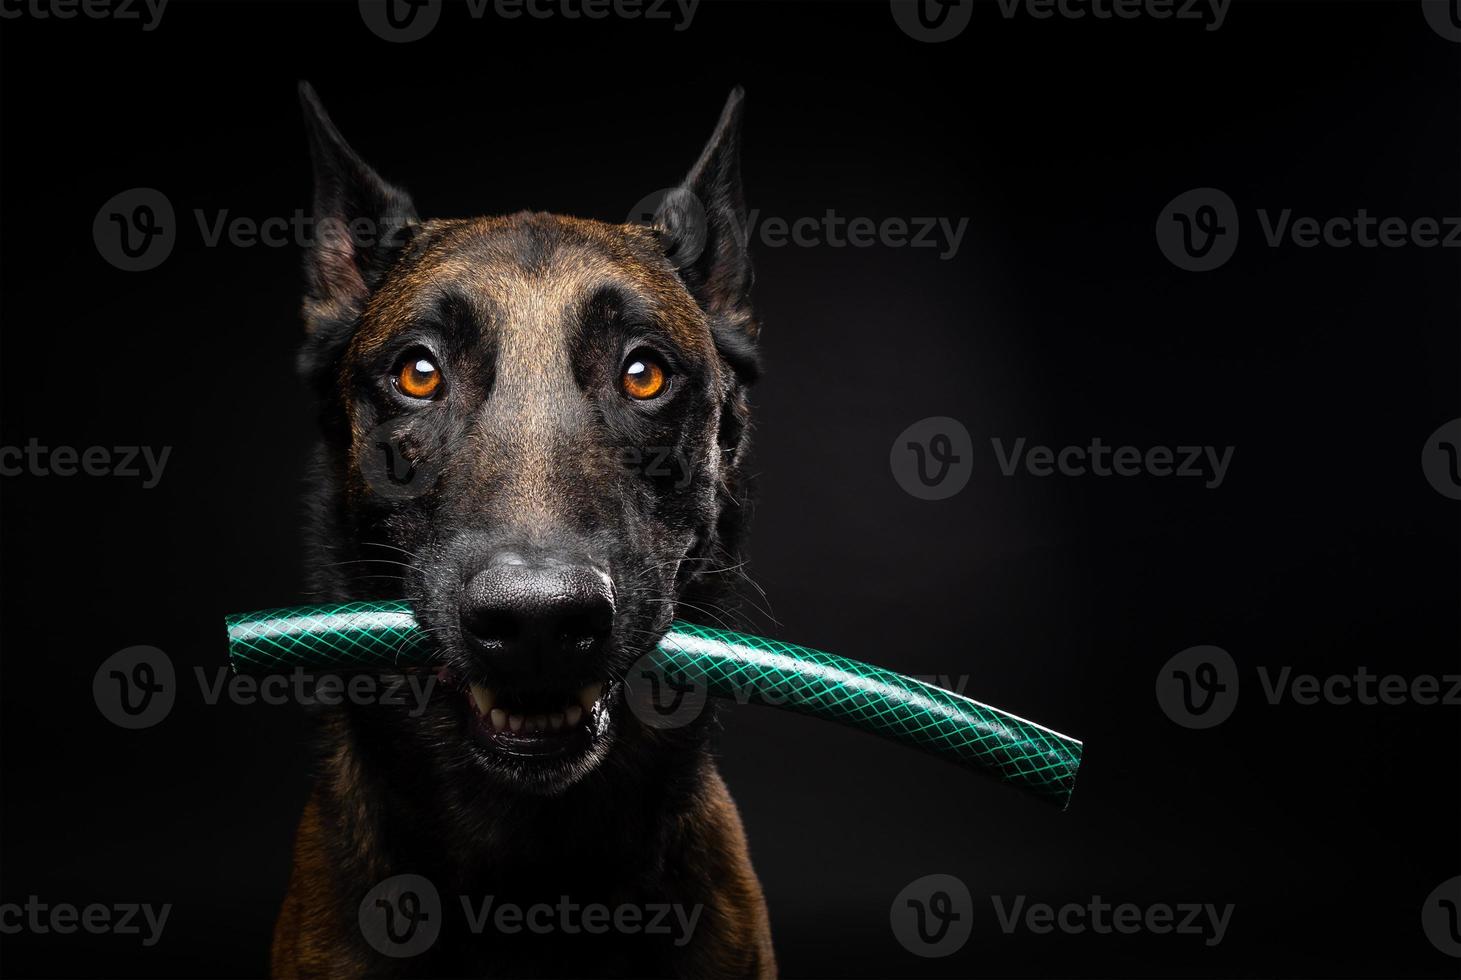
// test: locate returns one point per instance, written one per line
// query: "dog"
(489, 389)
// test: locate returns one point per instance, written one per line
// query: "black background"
(1057, 320)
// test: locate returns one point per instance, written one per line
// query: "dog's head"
(533, 428)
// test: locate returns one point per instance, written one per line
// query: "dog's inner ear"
(361, 224)
(702, 228)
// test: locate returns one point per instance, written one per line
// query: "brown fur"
(312, 937)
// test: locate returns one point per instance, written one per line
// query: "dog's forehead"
(532, 272)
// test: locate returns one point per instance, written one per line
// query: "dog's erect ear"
(702, 226)
(361, 223)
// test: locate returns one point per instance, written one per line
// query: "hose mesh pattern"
(859, 695)
(352, 636)
(384, 635)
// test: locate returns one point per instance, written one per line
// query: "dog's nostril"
(583, 631)
(492, 627)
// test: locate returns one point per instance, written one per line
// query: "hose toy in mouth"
(384, 635)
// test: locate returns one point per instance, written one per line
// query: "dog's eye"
(418, 377)
(645, 375)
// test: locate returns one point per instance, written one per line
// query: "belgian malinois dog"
(490, 389)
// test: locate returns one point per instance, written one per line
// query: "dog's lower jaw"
(668, 834)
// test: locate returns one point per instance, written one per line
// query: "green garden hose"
(385, 636)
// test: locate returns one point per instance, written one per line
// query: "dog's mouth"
(540, 739)
(538, 724)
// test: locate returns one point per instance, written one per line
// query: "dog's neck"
(606, 833)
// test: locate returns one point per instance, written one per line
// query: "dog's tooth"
(539, 723)
(572, 714)
(499, 719)
(589, 695)
(515, 722)
(482, 698)
(555, 720)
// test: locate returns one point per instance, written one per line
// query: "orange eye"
(645, 376)
(418, 377)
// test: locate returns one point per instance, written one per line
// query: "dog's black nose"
(530, 611)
